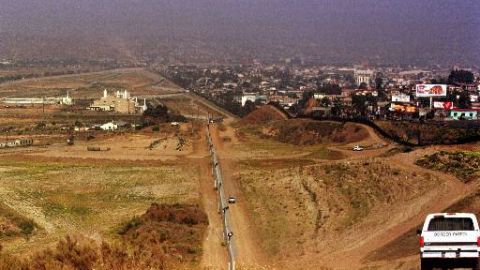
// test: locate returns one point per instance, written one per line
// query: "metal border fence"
(222, 203)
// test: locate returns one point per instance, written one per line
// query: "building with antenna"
(121, 102)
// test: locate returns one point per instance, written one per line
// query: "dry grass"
(165, 237)
(255, 146)
(13, 224)
(65, 197)
(300, 208)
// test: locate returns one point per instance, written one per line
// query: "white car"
(358, 148)
(450, 241)
(232, 200)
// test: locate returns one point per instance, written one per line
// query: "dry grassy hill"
(312, 201)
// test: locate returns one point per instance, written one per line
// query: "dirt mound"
(262, 115)
(307, 132)
(325, 208)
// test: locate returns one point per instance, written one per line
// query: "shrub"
(131, 224)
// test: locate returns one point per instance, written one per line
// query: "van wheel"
(426, 265)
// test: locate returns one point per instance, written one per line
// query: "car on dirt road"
(232, 200)
(358, 148)
(449, 240)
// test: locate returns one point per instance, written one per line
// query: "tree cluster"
(160, 114)
(460, 76)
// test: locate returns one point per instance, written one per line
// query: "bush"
(131, 224)
(159, 239)
(27, 227)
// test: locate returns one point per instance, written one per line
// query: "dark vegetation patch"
(160, 114)
(13, 224)
(397, 150)
(165, 237)
(432, 133)
(464, 165)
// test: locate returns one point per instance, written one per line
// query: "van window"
(450, 224)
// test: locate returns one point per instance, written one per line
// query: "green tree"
(330, 89)
(460, 76)
(326, 102)
(248, 108)
(463, 101)
(379, 83)
(361, 102)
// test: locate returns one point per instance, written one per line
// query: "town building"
(463, 114)
(121, 102)
(363, 76)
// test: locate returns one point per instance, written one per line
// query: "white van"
(450, 241)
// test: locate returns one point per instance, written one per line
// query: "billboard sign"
(445, 105)
(431, 90)
(402, 108)
(401, 98)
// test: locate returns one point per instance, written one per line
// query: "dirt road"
(248, 249)
(214, 253)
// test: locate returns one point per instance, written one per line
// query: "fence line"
(222, 203)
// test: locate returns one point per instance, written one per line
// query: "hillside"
(263, 114)
(308, 199)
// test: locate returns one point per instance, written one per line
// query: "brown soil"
(263, 114)
(307, 132)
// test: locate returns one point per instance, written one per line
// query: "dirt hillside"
(308, 132)
(263, 114)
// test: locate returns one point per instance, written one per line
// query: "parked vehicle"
(358, 148)
(450, 241)
(232, 200)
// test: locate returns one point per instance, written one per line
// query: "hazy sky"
(361, 29)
